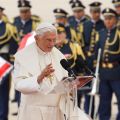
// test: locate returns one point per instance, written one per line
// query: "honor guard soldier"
(109, 42)
(116, 4)
(77, 18)
(61, 17)
(89, 31)
(26, 22)
(72, 51)
(8, 47)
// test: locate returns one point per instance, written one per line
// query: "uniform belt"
(110, 64)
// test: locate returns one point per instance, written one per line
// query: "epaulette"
(88, 17)
(36, 18)
(5, 18)
(13, 31)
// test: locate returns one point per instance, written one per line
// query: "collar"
(94, 22)
(79, 20)
(112, 29)
(1, 21)
(24, 21)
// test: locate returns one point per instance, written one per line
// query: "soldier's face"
(118, 9)
(46, 42)
(60, 39)
(79, 13)
(61, 20)
(95, 15)
(25, 14)
(110, 21)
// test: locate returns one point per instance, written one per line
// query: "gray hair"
(45, 27)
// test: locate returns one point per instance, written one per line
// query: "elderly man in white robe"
(37, 71)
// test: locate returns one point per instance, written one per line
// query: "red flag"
(5, 68)
(27, 40)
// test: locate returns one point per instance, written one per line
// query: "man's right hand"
(45, 73)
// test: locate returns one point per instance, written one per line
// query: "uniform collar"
(1, 21)
(94, 22)
(25, 21)
(79, 20)
(113, 28)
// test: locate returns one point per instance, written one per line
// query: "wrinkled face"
(25, 14)
(95, 15)
(61, 20)
(46, 42)
(117, 9)
(78, 13)
(110, 21)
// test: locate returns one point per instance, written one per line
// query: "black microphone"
(65, 64)
(82, 64)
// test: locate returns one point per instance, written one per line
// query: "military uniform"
(109, 42)
(25, 27)
(72, 51)
(90, 37)
(75, 22)
(116, 4)
(89, 31)
(60, 13)
(8, 47)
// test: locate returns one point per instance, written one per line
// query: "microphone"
(82, 64)
(65, 64)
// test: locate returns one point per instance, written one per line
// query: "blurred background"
(44, 8)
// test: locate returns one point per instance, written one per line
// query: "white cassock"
(35, 103)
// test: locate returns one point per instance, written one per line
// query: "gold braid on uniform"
(80, 35)
(74, 54)
(36, 18)
(14, 35)
(74, 37)
(76, 50)
(80, 51)
(108, 44)
(6, 37)
(14, 32)
(5, 18)
(35, 21)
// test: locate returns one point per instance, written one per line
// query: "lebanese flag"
(27, 40)
(5, 68)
